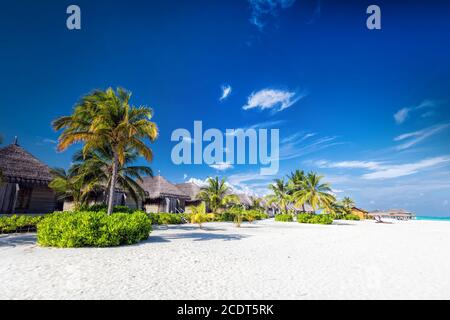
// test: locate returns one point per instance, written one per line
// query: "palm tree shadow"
(194, 236)
(13, 241)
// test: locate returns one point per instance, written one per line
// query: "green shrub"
(284, 218)
(226, 216)
(164, 218)
(20, 223)
(314, 218)
(104, 208)
(93, 229)
(349, 217)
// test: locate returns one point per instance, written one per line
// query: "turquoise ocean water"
(433, 218)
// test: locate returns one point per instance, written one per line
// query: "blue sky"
(368, 109)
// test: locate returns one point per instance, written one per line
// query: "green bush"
(167, 218)
(284, 218)
(104, 208)
(314, 218)
(92, 229)
(349, 217)
(17, 223)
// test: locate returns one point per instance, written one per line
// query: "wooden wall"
(43, 200)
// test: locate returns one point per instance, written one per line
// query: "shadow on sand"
(15, 240)
(194, 236)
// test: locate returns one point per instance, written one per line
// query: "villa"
(192, 190)
(25, 182)
(398, 214)
(163, 196)
(362, 214)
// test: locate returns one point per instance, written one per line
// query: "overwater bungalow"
(163, 196)
(397, 214)
(24, 187)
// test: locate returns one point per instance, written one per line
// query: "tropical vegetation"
(217, 194)
(92, 229)
(110, 127)
(19, 224)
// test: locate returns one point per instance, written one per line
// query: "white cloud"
(277, 100)
(401, 115)
(226, 91)
(296, 146)
(395, 171)
(52, 141)
(222, 166)
(417, 136)
(260, 125)
(262, 9)
(382, 170)
(198, 182)
(370, 165)
(185, 176)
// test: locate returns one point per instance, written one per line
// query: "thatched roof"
(159, 187)
(18, 165)
(391, 212)
(307, 207)
(359, 209)
(190, 189)
(244, 199)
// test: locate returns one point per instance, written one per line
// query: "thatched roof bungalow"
(361, 213)
(24, 188)
(192, 190)
(163, 196)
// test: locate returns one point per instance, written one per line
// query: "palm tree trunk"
(112, 187)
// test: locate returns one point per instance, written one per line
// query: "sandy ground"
(263, 260)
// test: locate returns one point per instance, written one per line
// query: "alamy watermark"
(235, 146)
(73, 21)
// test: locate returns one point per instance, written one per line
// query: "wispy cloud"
(413, 138)
(222, 166)
(383, 170)
(316, 13)
(301, 144)
(277, 100)
(52, 141)
(259, 125)
(402, 115)
(226, 91)
(261, 10)
(395, 171)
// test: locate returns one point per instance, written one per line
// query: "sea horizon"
(433, 218)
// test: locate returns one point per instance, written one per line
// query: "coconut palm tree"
(97, 166)
(317, 194)
(280, 193)
(295, 183)
(216, 194)
(68, 185)
(347, 203)
(105, 119)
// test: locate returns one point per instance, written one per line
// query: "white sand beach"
(263, 260)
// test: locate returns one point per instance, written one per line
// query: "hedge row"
(16, 224)
(93, 229)
(315, 218)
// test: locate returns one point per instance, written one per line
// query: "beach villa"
(361, 213)
(24, 188)
(163, 196)
(192, 190)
